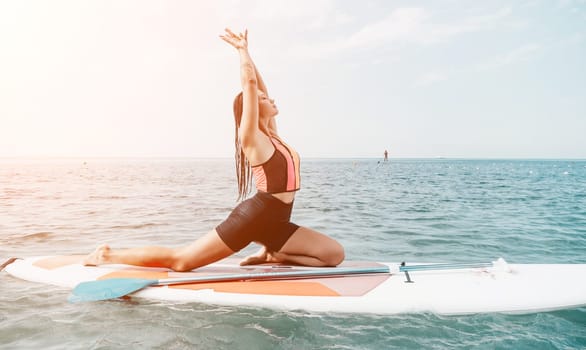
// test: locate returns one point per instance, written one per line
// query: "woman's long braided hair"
(243, 170)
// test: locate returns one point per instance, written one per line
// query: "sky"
(144, 78)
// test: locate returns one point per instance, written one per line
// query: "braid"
(243, 170)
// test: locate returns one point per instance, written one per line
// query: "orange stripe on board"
(297, 288)
(264, 287)
(154, 275)
(55, 262)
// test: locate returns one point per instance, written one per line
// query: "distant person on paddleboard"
(264, 218)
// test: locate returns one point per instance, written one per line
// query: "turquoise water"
(526, 211)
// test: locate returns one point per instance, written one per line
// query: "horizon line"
(42, 157)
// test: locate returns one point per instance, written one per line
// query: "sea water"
(440, 210)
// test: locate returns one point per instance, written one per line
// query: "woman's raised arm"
(249, 123)
(240, 41)
(262, 87)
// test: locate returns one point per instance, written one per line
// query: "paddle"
(119, 287)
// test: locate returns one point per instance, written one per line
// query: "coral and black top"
(281, 172)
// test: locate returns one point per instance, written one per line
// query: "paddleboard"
(501, 287)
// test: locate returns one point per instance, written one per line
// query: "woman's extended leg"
(305, 247)
(205, 250)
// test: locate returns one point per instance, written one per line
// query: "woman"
(264, 218)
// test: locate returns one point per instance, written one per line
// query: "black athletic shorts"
(262, 219)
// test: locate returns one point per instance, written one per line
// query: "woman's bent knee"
(180, 264)
(336, 256)
(180, 267)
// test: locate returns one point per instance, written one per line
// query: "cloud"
(438, 32)
(280, 16)
(571, 3)
(520, 54)
(430, 79)
(404, 26)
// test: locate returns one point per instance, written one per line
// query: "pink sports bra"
(281, 172)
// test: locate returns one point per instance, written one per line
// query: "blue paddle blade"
(108, 289)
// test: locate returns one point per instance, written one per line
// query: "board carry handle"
(449, 266)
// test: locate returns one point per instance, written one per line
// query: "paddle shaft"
(324, 272)
(451, 266)
(259, 276)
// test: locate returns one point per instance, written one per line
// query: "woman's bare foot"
(260, 257)
(98, 256)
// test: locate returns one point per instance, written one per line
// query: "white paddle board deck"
(505, 288)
